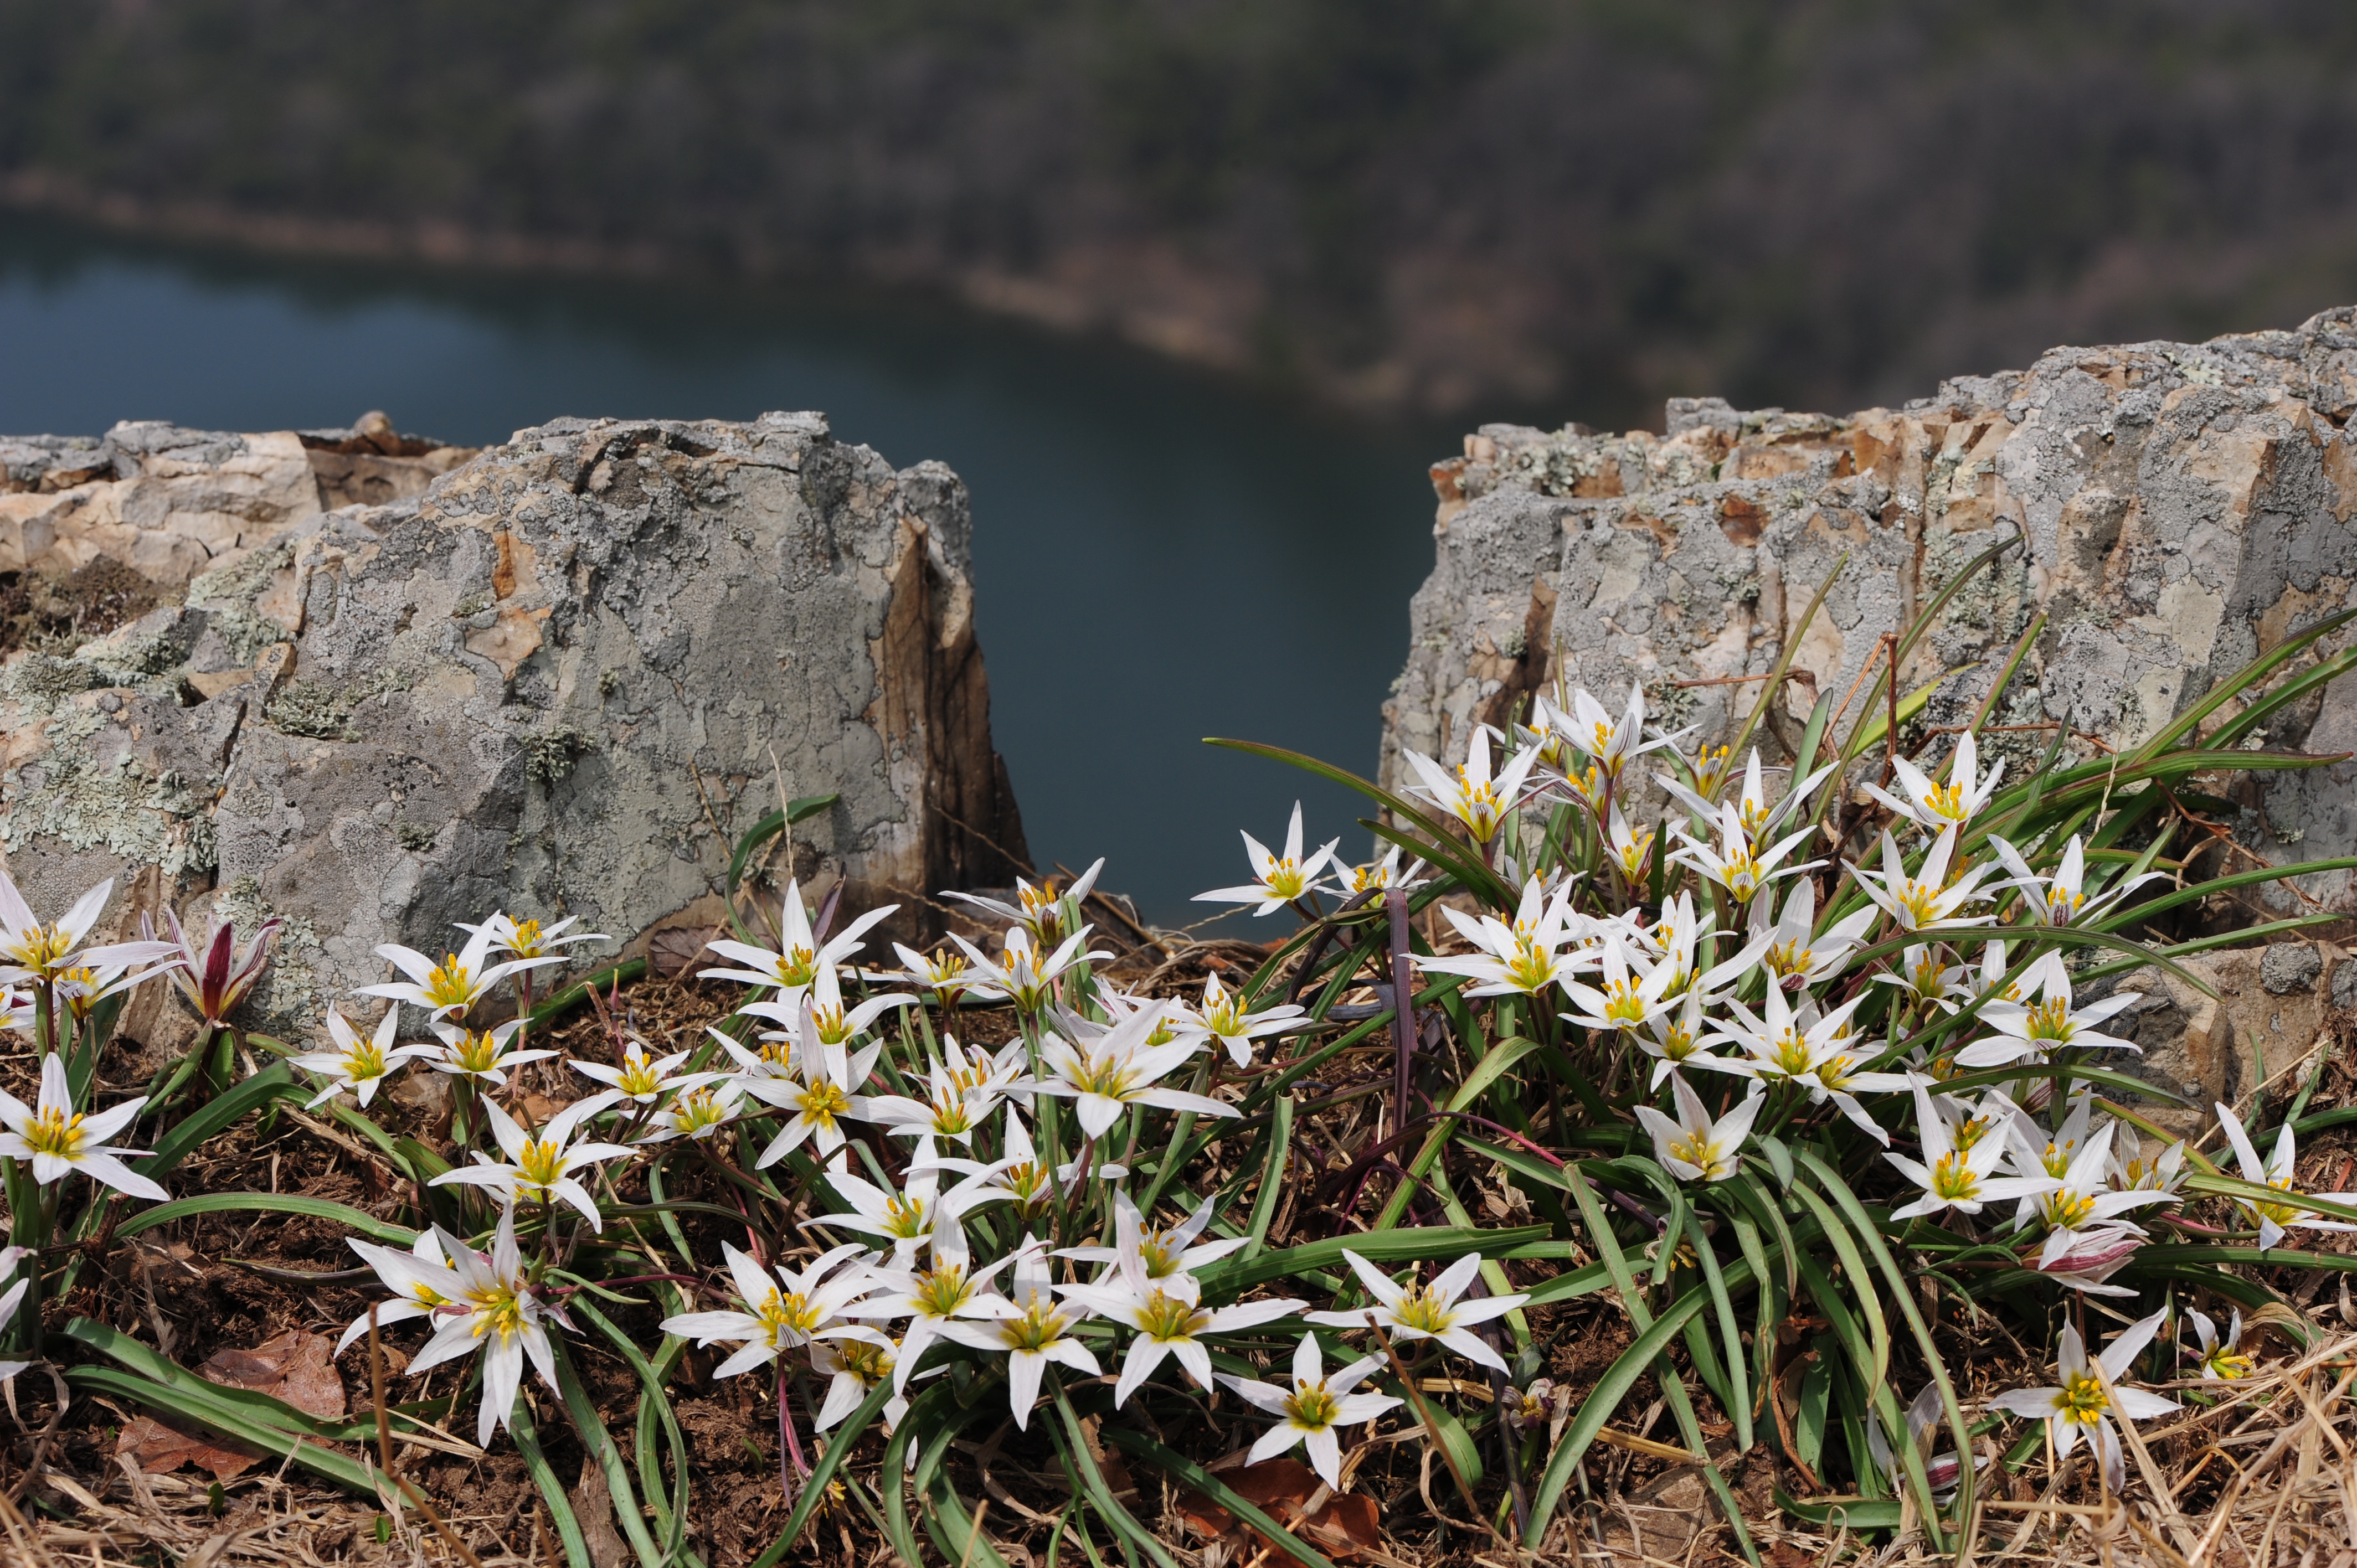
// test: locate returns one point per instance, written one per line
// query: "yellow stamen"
(54, 1132)
(1310, 1407)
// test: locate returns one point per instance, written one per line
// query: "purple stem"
(1639, 1209)
(789, 1446)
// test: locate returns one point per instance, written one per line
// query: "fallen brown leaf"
(295, 1368)
(158, 1448)
(533, 1109)
(1344, 1527)
(672, 952)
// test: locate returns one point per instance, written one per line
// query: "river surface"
(1159, 554)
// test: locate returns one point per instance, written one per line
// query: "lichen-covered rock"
(559, 681)
(2181, 508)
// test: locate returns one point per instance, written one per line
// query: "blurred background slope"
(1423, 205)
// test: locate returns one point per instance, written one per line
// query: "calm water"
(1159, 556)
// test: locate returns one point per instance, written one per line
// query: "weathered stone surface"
(2181, 507)
(172, 502)
(2252, 1034)
(556, 678)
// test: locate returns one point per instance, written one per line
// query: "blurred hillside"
(1403, 203)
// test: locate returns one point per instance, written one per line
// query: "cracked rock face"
(558, 677)
(2181, 509)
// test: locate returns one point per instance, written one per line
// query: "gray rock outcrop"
(2181, 508)
(558, 677)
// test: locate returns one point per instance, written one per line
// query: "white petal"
(1273, 1442)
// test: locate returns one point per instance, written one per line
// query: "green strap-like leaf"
(1272, 1177)
(1730, 1332)
(1772, 690)
(551, 1487)
(1863, 1222)
(367, 1224)
(799, 810)
(1853, 1262)
(1604, 1399)
(2226, 1186)
(1443, 851)
(953, 1531)
(602, 1448)
(1072, 1448)
(275, 1081)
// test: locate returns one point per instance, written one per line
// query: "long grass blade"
(367, 1224)
(1073, 1444)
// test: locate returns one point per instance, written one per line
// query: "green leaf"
(600, 1445)
(1856, 1513)
(562, 1002)
(1730, 1331)
(1604, 1399)
(954, 1529)
(1950, 1404)
(1855, 1349)
(925, 1414)
(367, 1224)
(1271, 1177)
(274, 1082)
(1072, 1448)
(1773, 691)
(1457, 1441)
(2321, 673)
(1809, 1418)
(1571, 1286)
(2109, 1078)
(2065, 936)
(1529, 1166)
(143, 1362)
(552, 1490)
(1622, 1375)
(799, 810)
(2226, 690)
(1812, 740)
(1877, 719)
(1861, 1283)
(2224, 1185)
(1928, 616)
(2243, 936)
(1486, 1072)
(654, 1410)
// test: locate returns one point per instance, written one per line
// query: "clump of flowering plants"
(1821, 1044)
